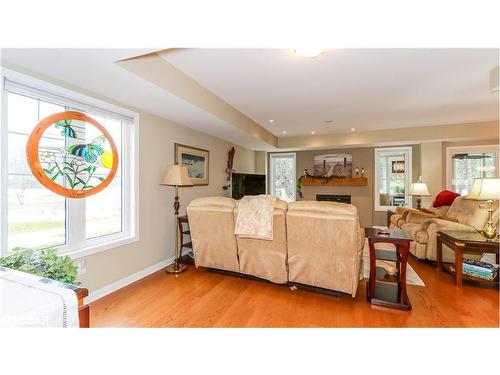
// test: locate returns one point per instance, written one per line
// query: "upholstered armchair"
(464, 215)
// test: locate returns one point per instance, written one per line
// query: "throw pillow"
(445, 198)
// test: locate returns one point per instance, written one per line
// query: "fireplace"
(334, 198)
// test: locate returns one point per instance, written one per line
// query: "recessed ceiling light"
(284, 131)
(312, 132)
(309, 52)
(352, 129)
(271, 121)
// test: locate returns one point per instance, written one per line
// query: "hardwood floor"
(199, 298)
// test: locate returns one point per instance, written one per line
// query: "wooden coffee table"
(383, 290)
(464, 242)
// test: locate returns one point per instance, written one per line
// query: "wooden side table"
(183, 224)
(464, 242)
(383, 290)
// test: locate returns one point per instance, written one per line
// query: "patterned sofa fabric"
(400, 217)
(322, 242)
(464, 214)
(325, 244)
(211, 222)
(263, 258)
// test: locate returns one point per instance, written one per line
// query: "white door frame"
(271, 170)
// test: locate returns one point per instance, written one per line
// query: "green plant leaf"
(53, 178)
(44, 263)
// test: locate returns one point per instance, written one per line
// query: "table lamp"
(419, 189)
(176, 175)
(487, 188)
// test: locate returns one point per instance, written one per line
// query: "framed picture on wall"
(197, 161)
(336, 165)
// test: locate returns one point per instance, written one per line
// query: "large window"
(392, 177)
(35, 216)
(464, 164)
(283, 179)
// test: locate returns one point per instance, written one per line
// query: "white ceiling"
(365, 89)
(95, 70)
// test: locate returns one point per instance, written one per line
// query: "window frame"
(408, 176)
(77, 246)
(271, 174)
(468, 149)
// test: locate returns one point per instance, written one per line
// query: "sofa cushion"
(468, 211)
(445, 198)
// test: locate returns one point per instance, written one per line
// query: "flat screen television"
(248, 184)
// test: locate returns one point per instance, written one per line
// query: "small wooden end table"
(383, 290)
(464, 242)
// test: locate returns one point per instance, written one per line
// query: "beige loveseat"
(464, 214)
(314, 243)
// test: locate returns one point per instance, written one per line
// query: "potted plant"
(44, 263)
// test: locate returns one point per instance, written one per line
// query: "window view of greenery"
(37, 217)
(391, 179)
(466, 167)
(283, 184)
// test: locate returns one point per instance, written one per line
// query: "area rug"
(411, 276)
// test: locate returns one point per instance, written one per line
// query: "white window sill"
(98, 248)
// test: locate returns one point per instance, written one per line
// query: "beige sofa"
(325, 245)
(266, 259)
(211, 222)
(314, 243)
(464, 214)
(400, 216)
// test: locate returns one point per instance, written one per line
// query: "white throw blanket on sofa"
(255, 217)
(27, 301)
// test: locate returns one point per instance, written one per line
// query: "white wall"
(431, 169)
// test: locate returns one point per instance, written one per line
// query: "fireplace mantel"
(355, 181)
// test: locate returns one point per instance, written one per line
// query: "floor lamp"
(176, 175)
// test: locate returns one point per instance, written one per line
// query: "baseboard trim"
(110, 288)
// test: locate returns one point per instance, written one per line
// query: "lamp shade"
(419, 188)
(485, 188)
(176, 175)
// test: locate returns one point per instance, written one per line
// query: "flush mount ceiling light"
(352, 129)
(313, 132)
(284, 131)
(271, 121)
(310, 51)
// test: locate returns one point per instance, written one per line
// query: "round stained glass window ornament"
(72, 154)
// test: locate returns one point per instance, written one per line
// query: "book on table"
(478, 269)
